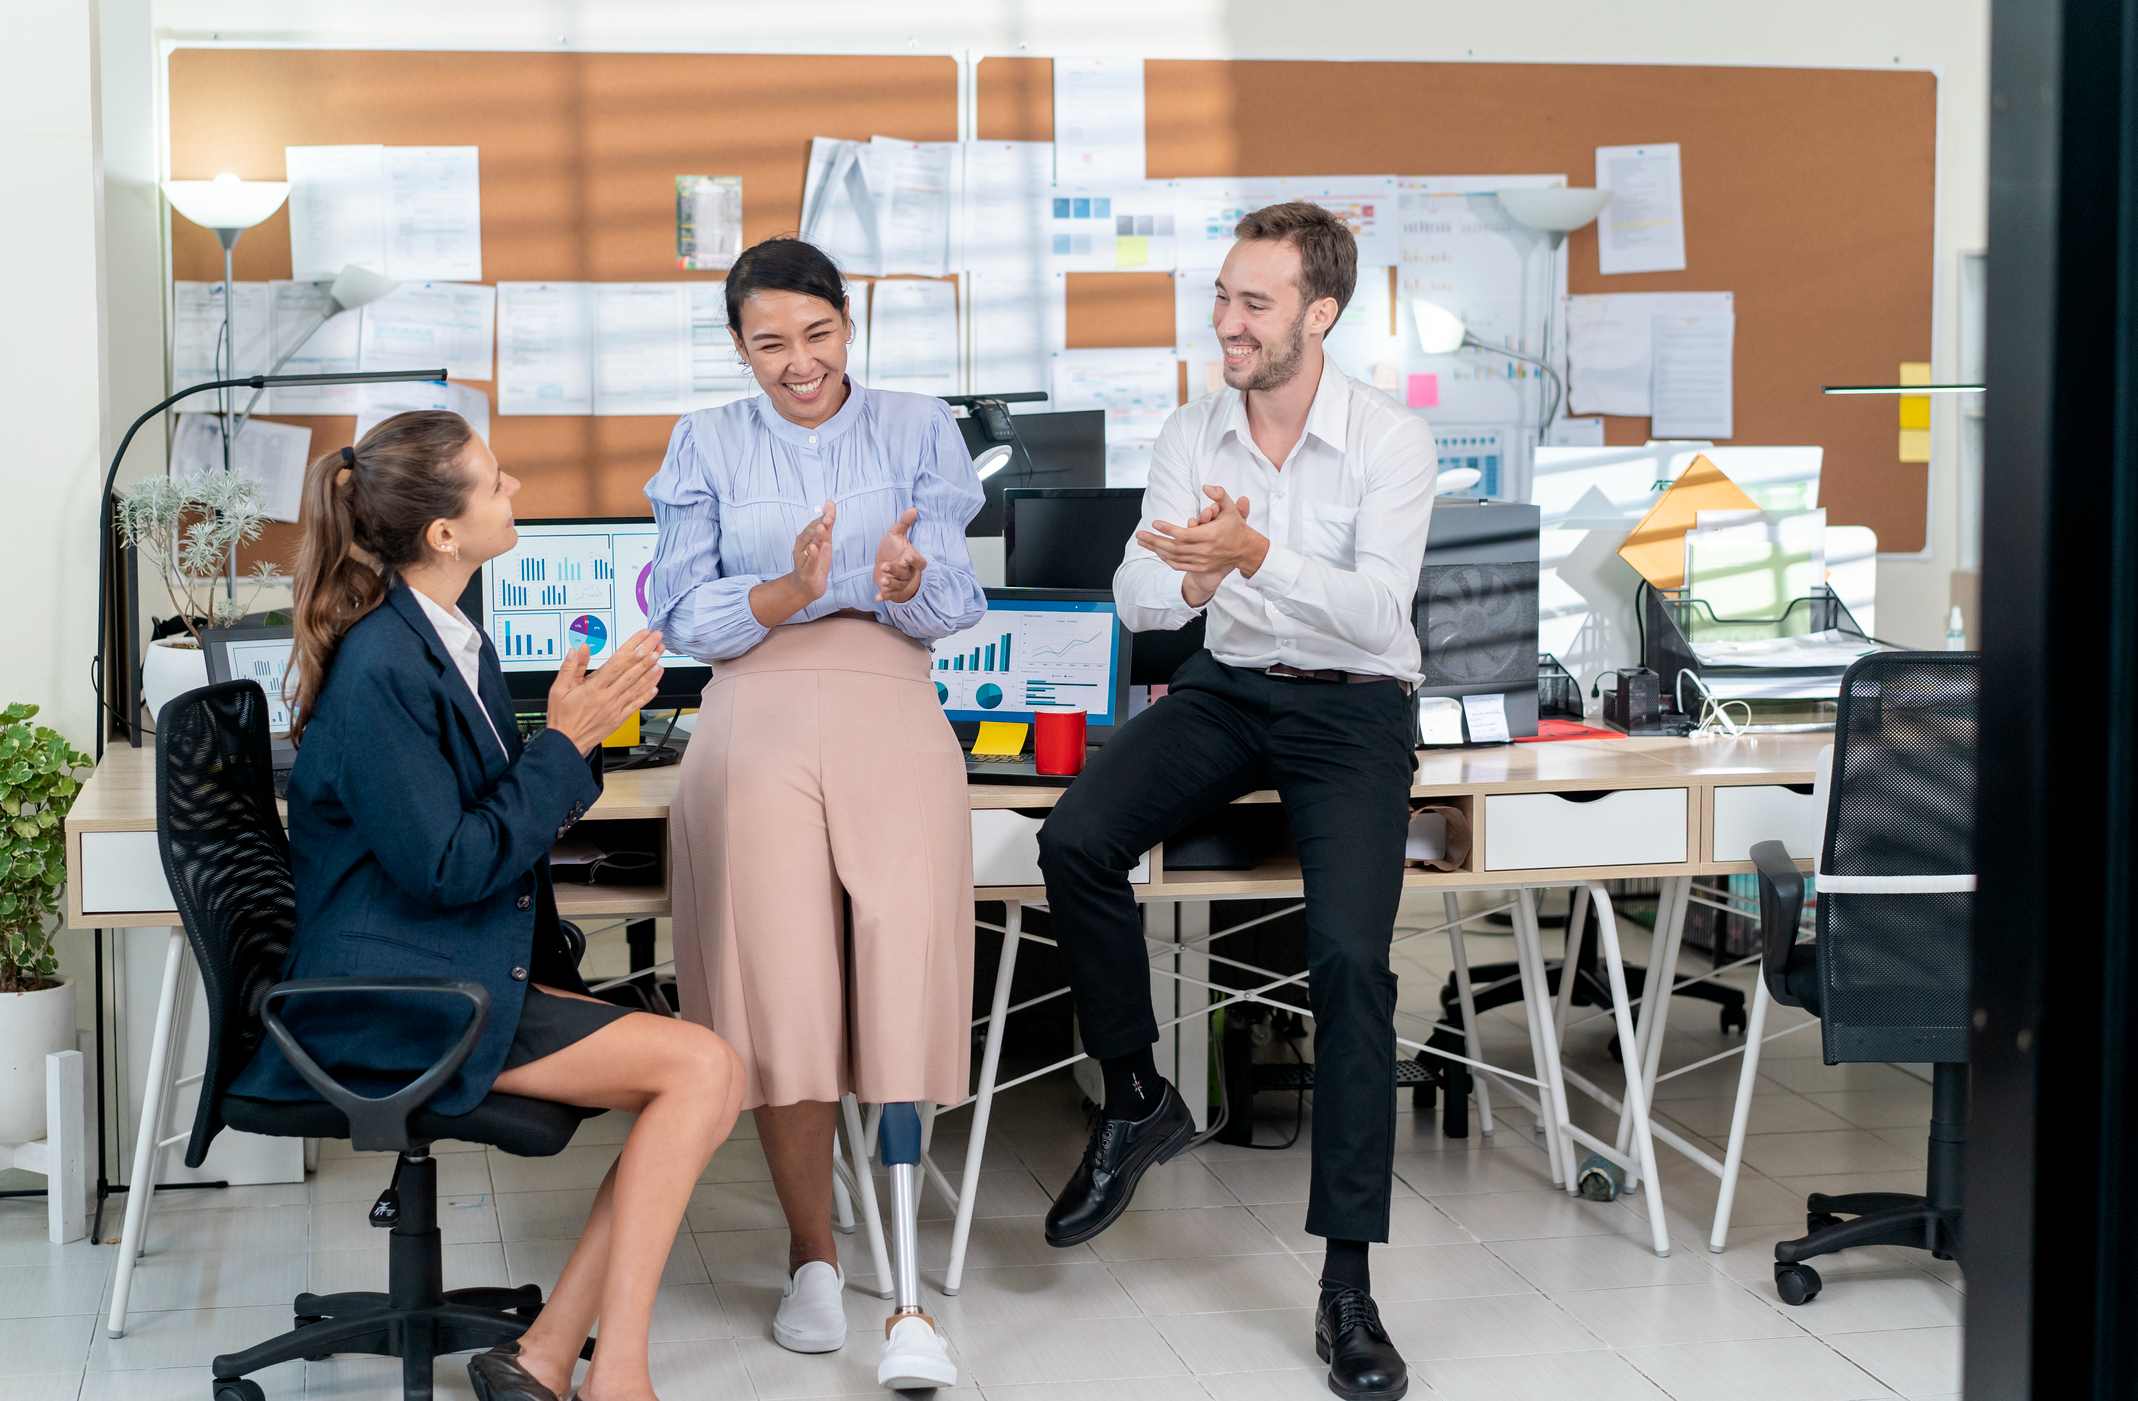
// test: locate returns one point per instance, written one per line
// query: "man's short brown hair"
(1328, 254)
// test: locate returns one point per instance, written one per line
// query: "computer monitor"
(254, 654)
(1073, 538)
(1032, 650)
(1059, 449)
(579, 580)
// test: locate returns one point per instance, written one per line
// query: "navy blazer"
(419, 849)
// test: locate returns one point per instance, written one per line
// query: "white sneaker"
(811, 1316)
(915, 1356)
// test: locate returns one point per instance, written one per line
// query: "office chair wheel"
(239, 1389)
(1733, 1021)
(1797, 1284)
(1817, 1221)
(1600, 1179)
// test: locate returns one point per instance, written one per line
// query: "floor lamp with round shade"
(1555, 213)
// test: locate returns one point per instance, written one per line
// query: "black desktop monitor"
(1064, 450)
(579, 580)
(1073, 538)
(1032, 650)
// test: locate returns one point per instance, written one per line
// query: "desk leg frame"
(148, 1136)
(984, 1098)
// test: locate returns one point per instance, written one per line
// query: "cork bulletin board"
(1808, 193)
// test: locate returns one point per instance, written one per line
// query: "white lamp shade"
(992, 461)
(226, 202)
(1554, 211)
(360, 286)
(1440, 331)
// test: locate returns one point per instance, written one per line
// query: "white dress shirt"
(1346, 520)
(464, 643)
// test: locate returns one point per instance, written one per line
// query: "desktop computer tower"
(1476, 607)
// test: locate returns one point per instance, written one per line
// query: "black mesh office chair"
(227, 860)
(1887, 973)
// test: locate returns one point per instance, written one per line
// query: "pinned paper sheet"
(1915, 413)
(1000, 739)
(1656, 546)
(1423, 392)
(1915, 445)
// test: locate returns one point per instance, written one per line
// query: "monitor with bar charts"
(1033, 650)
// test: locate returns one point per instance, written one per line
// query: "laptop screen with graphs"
(566, 584)
(1032, 650)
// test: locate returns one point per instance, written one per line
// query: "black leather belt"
(1328, 674)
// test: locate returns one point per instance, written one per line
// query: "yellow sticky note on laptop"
(1000, 739)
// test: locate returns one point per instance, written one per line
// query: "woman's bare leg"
(797, 1140)
(685, 1086)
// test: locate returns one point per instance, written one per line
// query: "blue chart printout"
(1030, 655)
(567, 585)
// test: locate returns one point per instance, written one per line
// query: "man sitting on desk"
(1292, 505)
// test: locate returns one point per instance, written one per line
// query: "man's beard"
(1278, 369)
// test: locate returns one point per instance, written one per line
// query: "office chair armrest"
(1781, 907)
(380, 1123)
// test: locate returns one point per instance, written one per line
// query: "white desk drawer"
(122, 873)
(1005, 850)
(1746, 816)
(1629, 827)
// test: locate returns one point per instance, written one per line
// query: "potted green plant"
(39, 775)
(187, 530)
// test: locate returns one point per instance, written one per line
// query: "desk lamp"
(355, 287)
(993, 460)
(227, 206)
(1441, 332)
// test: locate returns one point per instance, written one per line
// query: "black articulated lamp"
(992, 412)
(106, 500)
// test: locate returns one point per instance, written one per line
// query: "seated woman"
(420, 828)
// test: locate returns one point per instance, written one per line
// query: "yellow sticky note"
(1915, 410)
(1000, 739)
(1915, 445)
(1914, 372)
(625, 736)
(1132, 252)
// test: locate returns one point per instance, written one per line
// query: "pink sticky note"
(1424, 392)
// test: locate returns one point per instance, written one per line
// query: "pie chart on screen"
(989, 695)
(590, 632)
(643, 576)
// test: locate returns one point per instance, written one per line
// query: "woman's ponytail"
(365, 511)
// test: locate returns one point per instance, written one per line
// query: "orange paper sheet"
(1656, 547)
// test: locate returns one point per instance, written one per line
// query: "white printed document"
(545, 348)
(383, 401)
(663, 348)
(1610, 346)
(434, 220)
(839, 207)
(913, 337)
(1642, 228)
(1691, 393)
(428, 325)
(1138, 389)
(917, 204)
(337, 209)
(196, 334)
(271, 455)
(1209, 208)
(1098, 120)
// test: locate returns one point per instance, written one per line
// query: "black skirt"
(549, 1023)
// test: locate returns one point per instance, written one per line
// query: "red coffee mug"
(1058, 742)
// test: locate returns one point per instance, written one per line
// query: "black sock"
(1133, 1088)
(1343, 1266)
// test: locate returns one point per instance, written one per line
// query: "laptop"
(262, 655)
(1034, 650)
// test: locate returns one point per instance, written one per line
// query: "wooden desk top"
(121, 794)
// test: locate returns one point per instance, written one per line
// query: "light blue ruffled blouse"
(740, 482)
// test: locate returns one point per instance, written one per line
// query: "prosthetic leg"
(914, 1353)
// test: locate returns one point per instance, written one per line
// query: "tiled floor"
(1495, 1286)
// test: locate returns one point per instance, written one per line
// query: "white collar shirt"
(1346, 514)
(464, 644)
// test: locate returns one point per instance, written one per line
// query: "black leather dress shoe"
(1114, 1162)
(498, 1376)
(1363, 1364)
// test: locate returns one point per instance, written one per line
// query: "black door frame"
(2052, 1230)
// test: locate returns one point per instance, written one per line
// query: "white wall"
(1948, 36)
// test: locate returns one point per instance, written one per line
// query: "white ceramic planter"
(169, 671)
(32, 1026)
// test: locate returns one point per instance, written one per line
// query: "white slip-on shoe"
(812, 1317)
(915, 1356)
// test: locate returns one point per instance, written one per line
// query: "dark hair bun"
(783, 264)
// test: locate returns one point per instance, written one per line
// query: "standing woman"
(420, 829)
(812, 543)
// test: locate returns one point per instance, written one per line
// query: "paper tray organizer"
(1673, 620)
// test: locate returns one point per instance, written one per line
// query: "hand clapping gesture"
(1208, 548)
(812, 555)
(898, 563)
